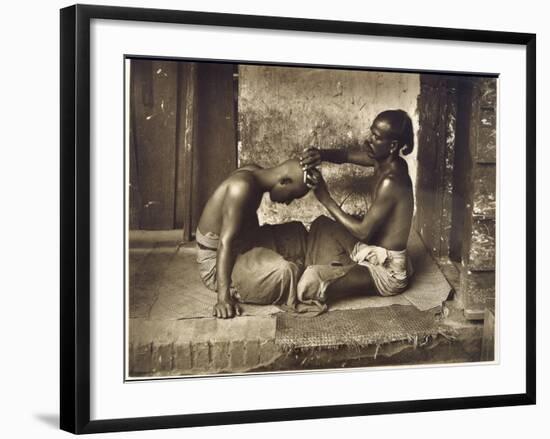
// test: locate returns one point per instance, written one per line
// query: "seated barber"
(240, 260)
(364, 256)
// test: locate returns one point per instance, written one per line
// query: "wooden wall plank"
(484, 120)
(488, 339)
(479, 244)
(134, 194)
(462, 163)
(436, 154)
(447, 171)
(186, 143)
(215, 155)
(154, 85)
(481, 251)
(484, 187)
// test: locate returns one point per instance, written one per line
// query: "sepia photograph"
(295, 218)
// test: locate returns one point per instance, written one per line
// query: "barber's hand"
(226, 309)
(321, 190)
(310, 158)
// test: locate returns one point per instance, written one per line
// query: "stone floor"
(172, 335)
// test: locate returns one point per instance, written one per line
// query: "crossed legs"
(330, 272)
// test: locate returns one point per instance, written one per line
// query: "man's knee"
(297, 226)
(281, 278)
(293, 231)
(309, 286)
(320, 223)
(316, 279)
(262, 263)
(287, 271)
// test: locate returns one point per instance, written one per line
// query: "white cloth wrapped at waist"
(390, 269)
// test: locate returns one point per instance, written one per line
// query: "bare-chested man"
(240, 260)
(368, 255)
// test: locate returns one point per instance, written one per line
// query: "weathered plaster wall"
(283, 110)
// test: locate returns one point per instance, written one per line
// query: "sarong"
(206, 257)
(332, 251)
(267, 266)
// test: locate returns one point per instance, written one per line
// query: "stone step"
(201, 346)
(247, 344)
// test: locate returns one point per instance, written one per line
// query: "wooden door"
(183, 140)
(153, 106)
(216, 140)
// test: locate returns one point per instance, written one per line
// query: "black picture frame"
(75, 217)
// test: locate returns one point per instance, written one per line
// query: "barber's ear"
(285, 180)
(394, 146)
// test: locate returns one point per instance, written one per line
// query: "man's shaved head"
(290, 182)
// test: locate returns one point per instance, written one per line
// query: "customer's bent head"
(290, 182)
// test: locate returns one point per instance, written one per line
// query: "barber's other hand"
(310, 158)
(321, 190)
(226, 309)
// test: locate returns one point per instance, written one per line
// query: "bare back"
(212, 215)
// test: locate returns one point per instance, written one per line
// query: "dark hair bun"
(402, 128)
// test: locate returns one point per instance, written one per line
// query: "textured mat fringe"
(357, 329)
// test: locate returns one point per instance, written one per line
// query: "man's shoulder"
(388, 182)
(394, 182)
(249, 167)
(399, 171)
(241, 185)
